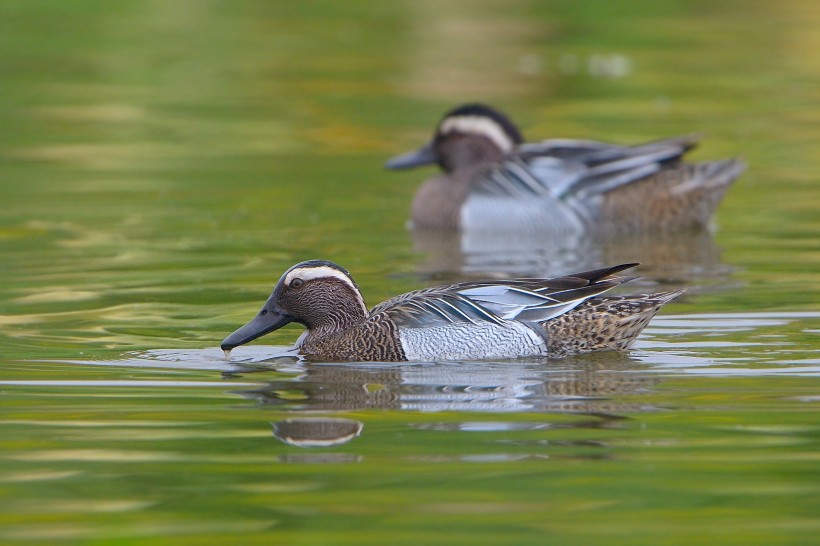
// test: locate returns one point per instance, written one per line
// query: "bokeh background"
(162, 162)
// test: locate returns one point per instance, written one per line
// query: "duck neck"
(462, 151)
(342, 315)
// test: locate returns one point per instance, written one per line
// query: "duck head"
(317, 294)
(469, 134)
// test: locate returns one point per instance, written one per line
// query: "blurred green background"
(162, 162)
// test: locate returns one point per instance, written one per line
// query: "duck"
(494, 181)
(473, 320)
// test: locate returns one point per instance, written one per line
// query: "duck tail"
(604, 323)
(701, 188)
(721, 174)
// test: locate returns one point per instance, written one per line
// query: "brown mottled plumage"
(681, 198)
(376, 339)
(599, 324)
(464, 321)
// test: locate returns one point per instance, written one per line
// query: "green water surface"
(163, 162)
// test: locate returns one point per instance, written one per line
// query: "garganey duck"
(493, 181)
(463, 321)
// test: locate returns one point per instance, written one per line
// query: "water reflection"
(673, 258)
(672, 345)
(591, 385)
(316, 431)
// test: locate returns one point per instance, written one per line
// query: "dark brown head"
(317, 294)
(466, 136)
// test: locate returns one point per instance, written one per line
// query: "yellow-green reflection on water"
(164, 162)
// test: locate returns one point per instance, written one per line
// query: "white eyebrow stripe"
(318, 272)
(323, 272)
(479, 125)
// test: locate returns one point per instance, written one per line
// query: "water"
(164, 162)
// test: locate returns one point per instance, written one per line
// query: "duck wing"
(538, 300)
(563, 167)
(429, 308)
(524, 300)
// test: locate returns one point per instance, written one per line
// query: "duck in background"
(494, 182)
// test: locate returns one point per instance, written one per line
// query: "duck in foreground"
(464, 321)
(492, 180)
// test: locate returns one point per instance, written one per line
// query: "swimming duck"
(464, 321)
(494, 181)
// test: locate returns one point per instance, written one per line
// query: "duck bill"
(417, 158)
(265, 322)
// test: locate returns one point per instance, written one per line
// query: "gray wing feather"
(560, 168)
(523, 300)
(427, 309)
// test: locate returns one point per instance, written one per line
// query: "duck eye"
(296, 283)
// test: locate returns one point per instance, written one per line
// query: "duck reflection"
(316, 431)
(592, 384)
(669, 257)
